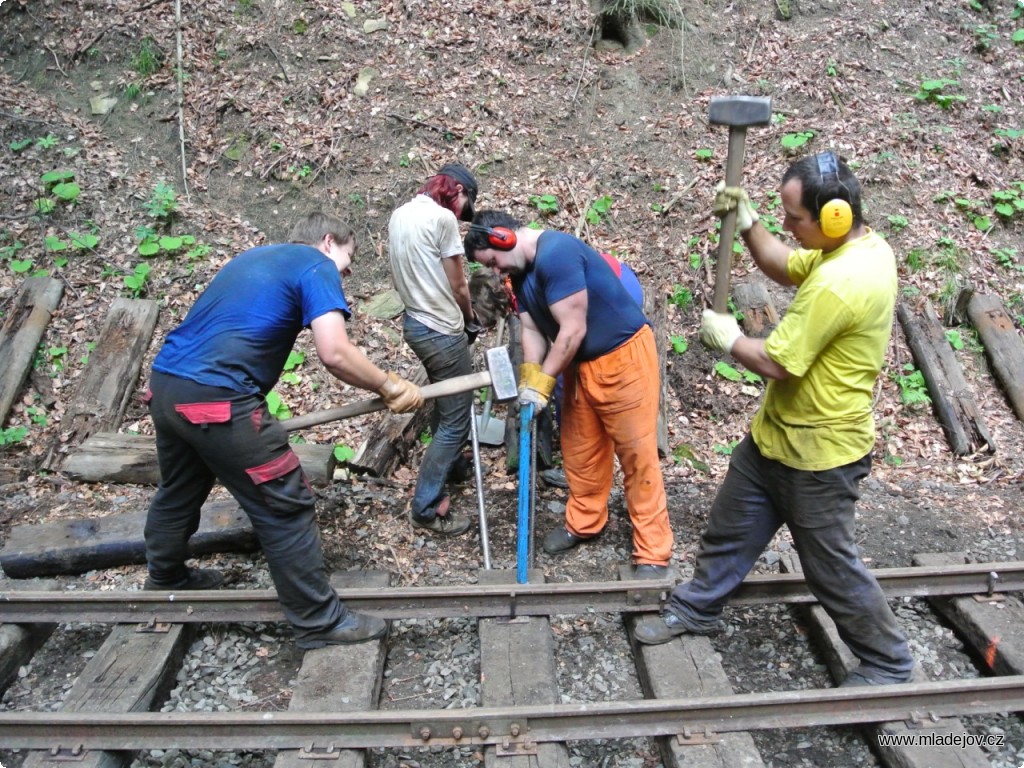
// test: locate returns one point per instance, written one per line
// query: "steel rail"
(923, 704)
(480, 600)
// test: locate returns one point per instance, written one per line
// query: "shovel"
(491, 431)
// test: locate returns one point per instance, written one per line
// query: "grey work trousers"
(205, 434)
(756, 498)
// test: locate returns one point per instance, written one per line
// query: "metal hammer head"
(503, 377)
(740, 111)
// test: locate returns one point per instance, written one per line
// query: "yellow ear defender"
(835, 217)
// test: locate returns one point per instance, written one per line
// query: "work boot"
(442, 521)
(555, 477)
(655, 630)
(197, 578)
(649, 571)
(354, 628)
(861, 677)
(462, 470)
(561, 540)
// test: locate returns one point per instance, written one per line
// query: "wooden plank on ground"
(655, 308)
(517, 667)
(392, 437)
(991, 626)
(131, 672)
(688, 667)
(85, 544)
(19, 641)
(759, 314)
(1003, 345)
(841, 662)
(951, 397)
(112, 457)
(104, 390)
(339, 678)
(23, 328)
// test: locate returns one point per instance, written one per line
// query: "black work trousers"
(206, 434)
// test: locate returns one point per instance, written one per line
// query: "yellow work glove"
(734, 198)
(535, 387)
(400, 395)
(719, 330)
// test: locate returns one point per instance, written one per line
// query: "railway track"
(335, 710)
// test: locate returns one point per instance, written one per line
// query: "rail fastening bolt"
(514, 729)
(484, 732)
(456, 733)
(425, 733)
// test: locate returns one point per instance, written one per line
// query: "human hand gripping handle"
(734, 198)
(719, 331)
(535, 386)
(400, 395)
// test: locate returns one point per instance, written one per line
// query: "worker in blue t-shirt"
(207, 399)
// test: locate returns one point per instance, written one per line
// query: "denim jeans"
(756, 498)
(443, 357)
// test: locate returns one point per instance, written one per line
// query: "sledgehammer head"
(503, 377)
(740, 111)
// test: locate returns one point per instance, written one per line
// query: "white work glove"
(734, 198)
(719, 330)
(400, 395)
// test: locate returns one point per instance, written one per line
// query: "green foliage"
(545, 204)
(136, 282)
(913, 389)
(793, 141)
(727, 449)
(898, 222)
(916, 259)
(37, 415)
(19, 144)
(984, 36)
(44, 205)
(679, 344)
(299, 26)
(1008, 257)
(426, 437)
(9, 247)
(46, 142)
(684, 452)
(343, 453)
(831, 68)
(149, 58)
(1009, 203)
(599, 209)
(726, 371)
(276, 406)
(681, 297)
(704, 155)
(936, 91)
(955, 339)
(12, 435)
(295, 359)
(162, 204)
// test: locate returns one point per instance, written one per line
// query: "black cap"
(461, 174)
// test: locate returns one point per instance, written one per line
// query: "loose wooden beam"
(1003, 345)
(392, 437)
(954, 404)
(24, 325)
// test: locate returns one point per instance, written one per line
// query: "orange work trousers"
(610, 408)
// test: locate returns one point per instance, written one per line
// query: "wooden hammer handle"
(455, 386)
(733, 178)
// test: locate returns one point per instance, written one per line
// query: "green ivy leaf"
(343, 453)
(67, 192)
(54, 243)
(726, 371)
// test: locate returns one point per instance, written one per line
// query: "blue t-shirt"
(565, 265)
(240, 330)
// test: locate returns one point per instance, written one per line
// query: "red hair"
(444, 191)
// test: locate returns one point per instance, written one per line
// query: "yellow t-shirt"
(832, 341)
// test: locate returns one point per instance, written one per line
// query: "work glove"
(473, 329)
(400, 395)
(535, 387)
(719, 330)
(734, 198)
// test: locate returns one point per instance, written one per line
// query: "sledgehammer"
(738, 112)
(499, 375)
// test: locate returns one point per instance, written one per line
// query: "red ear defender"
(499, 238)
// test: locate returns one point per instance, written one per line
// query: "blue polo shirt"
(240, 330)
(565, 265)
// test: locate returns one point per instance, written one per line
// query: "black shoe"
(561, 540)
(649, 571)
(555, 477)
(447, 525)
(655, 630)
(860, 678)
(354, 628)
(198, 578)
